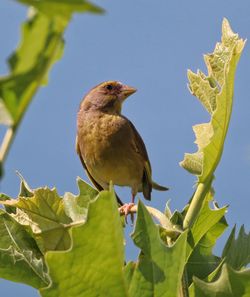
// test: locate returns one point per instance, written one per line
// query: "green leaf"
(25, 190)
(202, 237)
(202, 262)
(5, 119)
(129, 270)
(9, 209)
(48, 215)
(231, 283)
(237, 251)
(86, 190)
(211, 277)
(207, 219)
(63, 8)
(44, 214)
(20, 258)
(76, 207)
(41, 46)
(159, 269)
(94, 264)
(215, 92)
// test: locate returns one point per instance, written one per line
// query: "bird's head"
(107, 96)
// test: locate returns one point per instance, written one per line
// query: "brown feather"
(94, 182)
(140, 148)
(110, 148)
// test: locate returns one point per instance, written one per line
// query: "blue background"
(149, 45)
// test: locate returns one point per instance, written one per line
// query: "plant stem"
(196, 203)
(6, 143)
(171, 230)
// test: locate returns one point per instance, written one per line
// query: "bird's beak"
(127, 91)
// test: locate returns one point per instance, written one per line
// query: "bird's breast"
(99, 136)
(105, 145)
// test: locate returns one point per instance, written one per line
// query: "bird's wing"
(140, 148)
(138, 143)
(147, 182)
(94, 182)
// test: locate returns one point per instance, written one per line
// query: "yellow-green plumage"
(109, 145)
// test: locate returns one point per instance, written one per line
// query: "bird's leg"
(133, 203)
(125, 209)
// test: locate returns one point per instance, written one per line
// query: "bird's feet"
(126, 210)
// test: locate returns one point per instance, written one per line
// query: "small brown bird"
(108, 144)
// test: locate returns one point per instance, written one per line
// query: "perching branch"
(170, 229)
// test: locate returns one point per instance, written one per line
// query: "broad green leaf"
(40, 47)
(202, 237)
(129, 270)
(215, 92)
(76, 207)
(159, 269)
(86, 190)
(231, 283)
(237, 251)
(44, 213)
(211, 277)
(48, 215)
(202, 262)
(62, 8)
(20, 258)
(208, 220)
(94, 264)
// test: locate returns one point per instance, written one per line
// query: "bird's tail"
(159, 187)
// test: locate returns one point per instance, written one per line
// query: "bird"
(108, 144)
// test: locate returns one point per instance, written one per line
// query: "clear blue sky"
(149, 45)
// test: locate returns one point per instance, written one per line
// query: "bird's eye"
(109, 87)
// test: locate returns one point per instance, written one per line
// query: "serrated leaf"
(202, 262)
(237, 250)
(48, 215)
(129, 270)
(193, 162)
(20, 258)
(40, 47)
(159, 270)
(211, 277)
(25, 190)
(208, 227)
(231, 283)
(200, 85)
(76, 207)
(86, 190)
(206, 219)
(44, 214)
(94, 264)
(215, 92)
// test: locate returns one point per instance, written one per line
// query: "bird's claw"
(126, 210)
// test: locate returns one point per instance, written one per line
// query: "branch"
(171, 230)
(6, 143)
